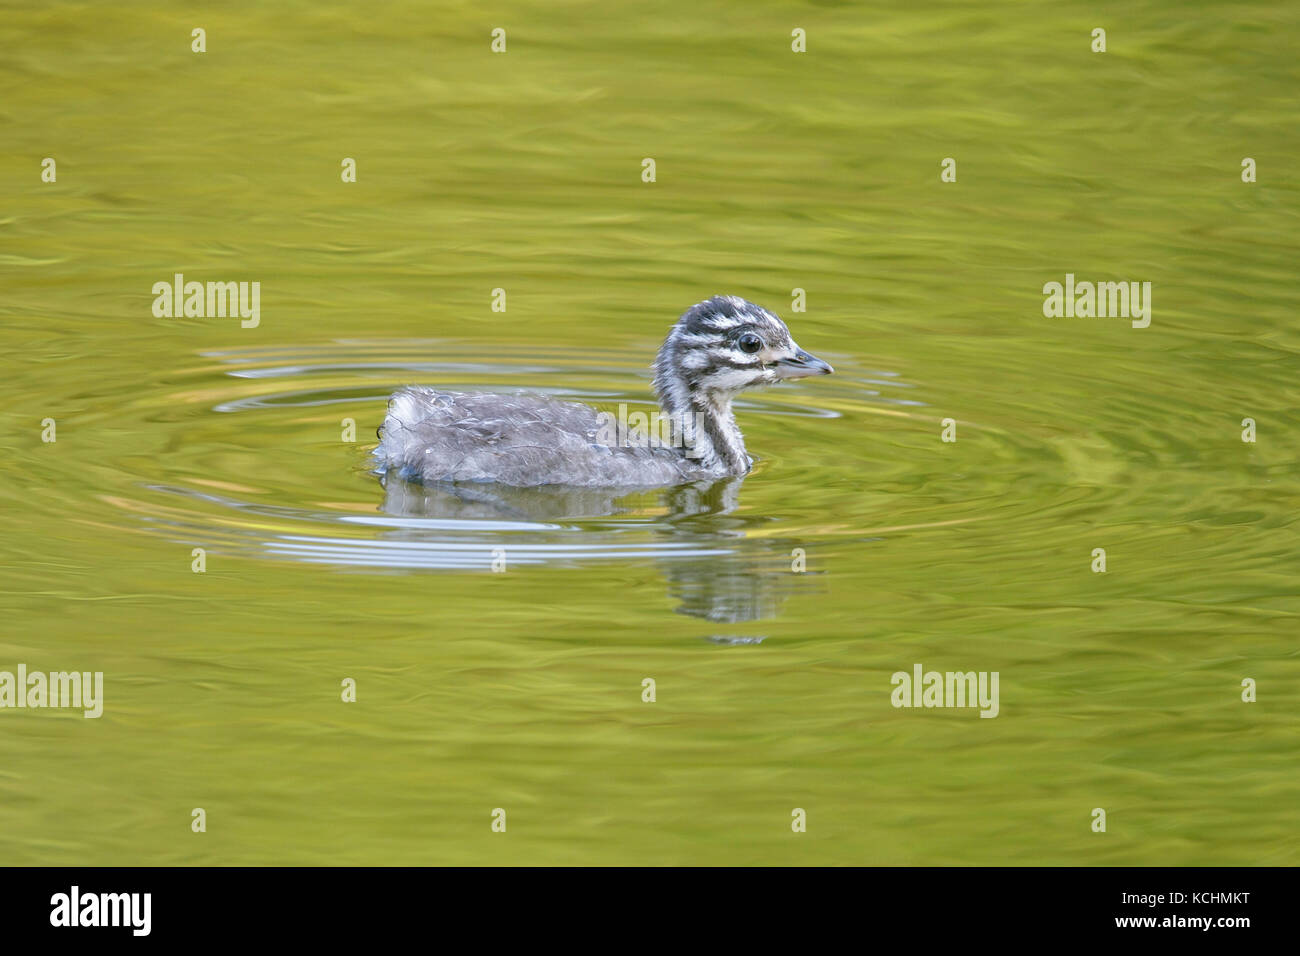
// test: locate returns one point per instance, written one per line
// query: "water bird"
(715, 350)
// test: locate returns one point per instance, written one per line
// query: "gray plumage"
(716, 349)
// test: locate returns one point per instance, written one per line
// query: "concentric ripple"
(254, 461)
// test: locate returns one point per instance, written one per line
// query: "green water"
(522, 690)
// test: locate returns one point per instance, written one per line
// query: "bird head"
(724, 345)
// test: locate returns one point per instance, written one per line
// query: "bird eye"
(750, 343)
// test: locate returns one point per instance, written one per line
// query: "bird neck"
(704, 428)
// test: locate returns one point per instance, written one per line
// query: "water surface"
(522, 689)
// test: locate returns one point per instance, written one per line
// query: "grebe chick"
(717, 348)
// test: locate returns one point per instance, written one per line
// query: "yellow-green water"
(522, 690)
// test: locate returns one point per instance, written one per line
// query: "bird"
(715, 350)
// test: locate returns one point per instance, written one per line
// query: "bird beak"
(800, 365)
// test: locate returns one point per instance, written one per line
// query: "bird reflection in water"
(715, 568)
